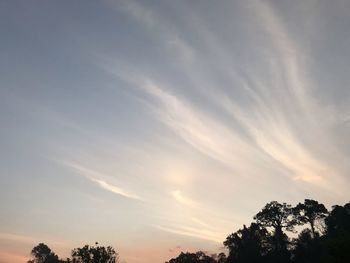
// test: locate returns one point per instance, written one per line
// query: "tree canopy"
(43, 254)
(309, 212)
(263, 241)
(94, 254)
(86, 254)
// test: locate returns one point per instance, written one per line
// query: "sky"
(163, 126)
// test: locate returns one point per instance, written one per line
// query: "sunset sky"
(163, 126)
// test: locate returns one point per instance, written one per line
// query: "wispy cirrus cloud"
(209, 111)
(201, 233)
(171, 38)
(114, 189)
(273, 122)
(267, 137)
(264, 139)
(203, 132)
(178, 196)
(98, 178)
(267, 127)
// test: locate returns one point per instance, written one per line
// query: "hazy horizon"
(163, 126)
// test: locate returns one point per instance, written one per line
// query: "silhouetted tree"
(254, 244)
(309, 212)
(220, 258)
(279, 217)
(43, 254)
(307, 248)
(247, 245)
(94, 254)
(338, 220)
(337, 239)
(198, 257)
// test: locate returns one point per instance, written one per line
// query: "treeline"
(86, 254)
(325, 237)
(322, 237)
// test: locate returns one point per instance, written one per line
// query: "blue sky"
(161, 126)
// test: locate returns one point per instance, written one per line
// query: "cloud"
(267, 140)
(194, 232)
(178, 196)
(148, 18)
(95, 177)
(199, 222)
(114, 189)
(215, 112)
(271, 124)
(206, 134)
(259, 118)
(272, 135)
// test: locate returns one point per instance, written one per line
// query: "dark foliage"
(87, 254)
(337, 238)
(198, 257)
(94, 254)
(248, 245)
(279, 217)
(307, 248)
(43, 254)
(310, 212)
(264, 241)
